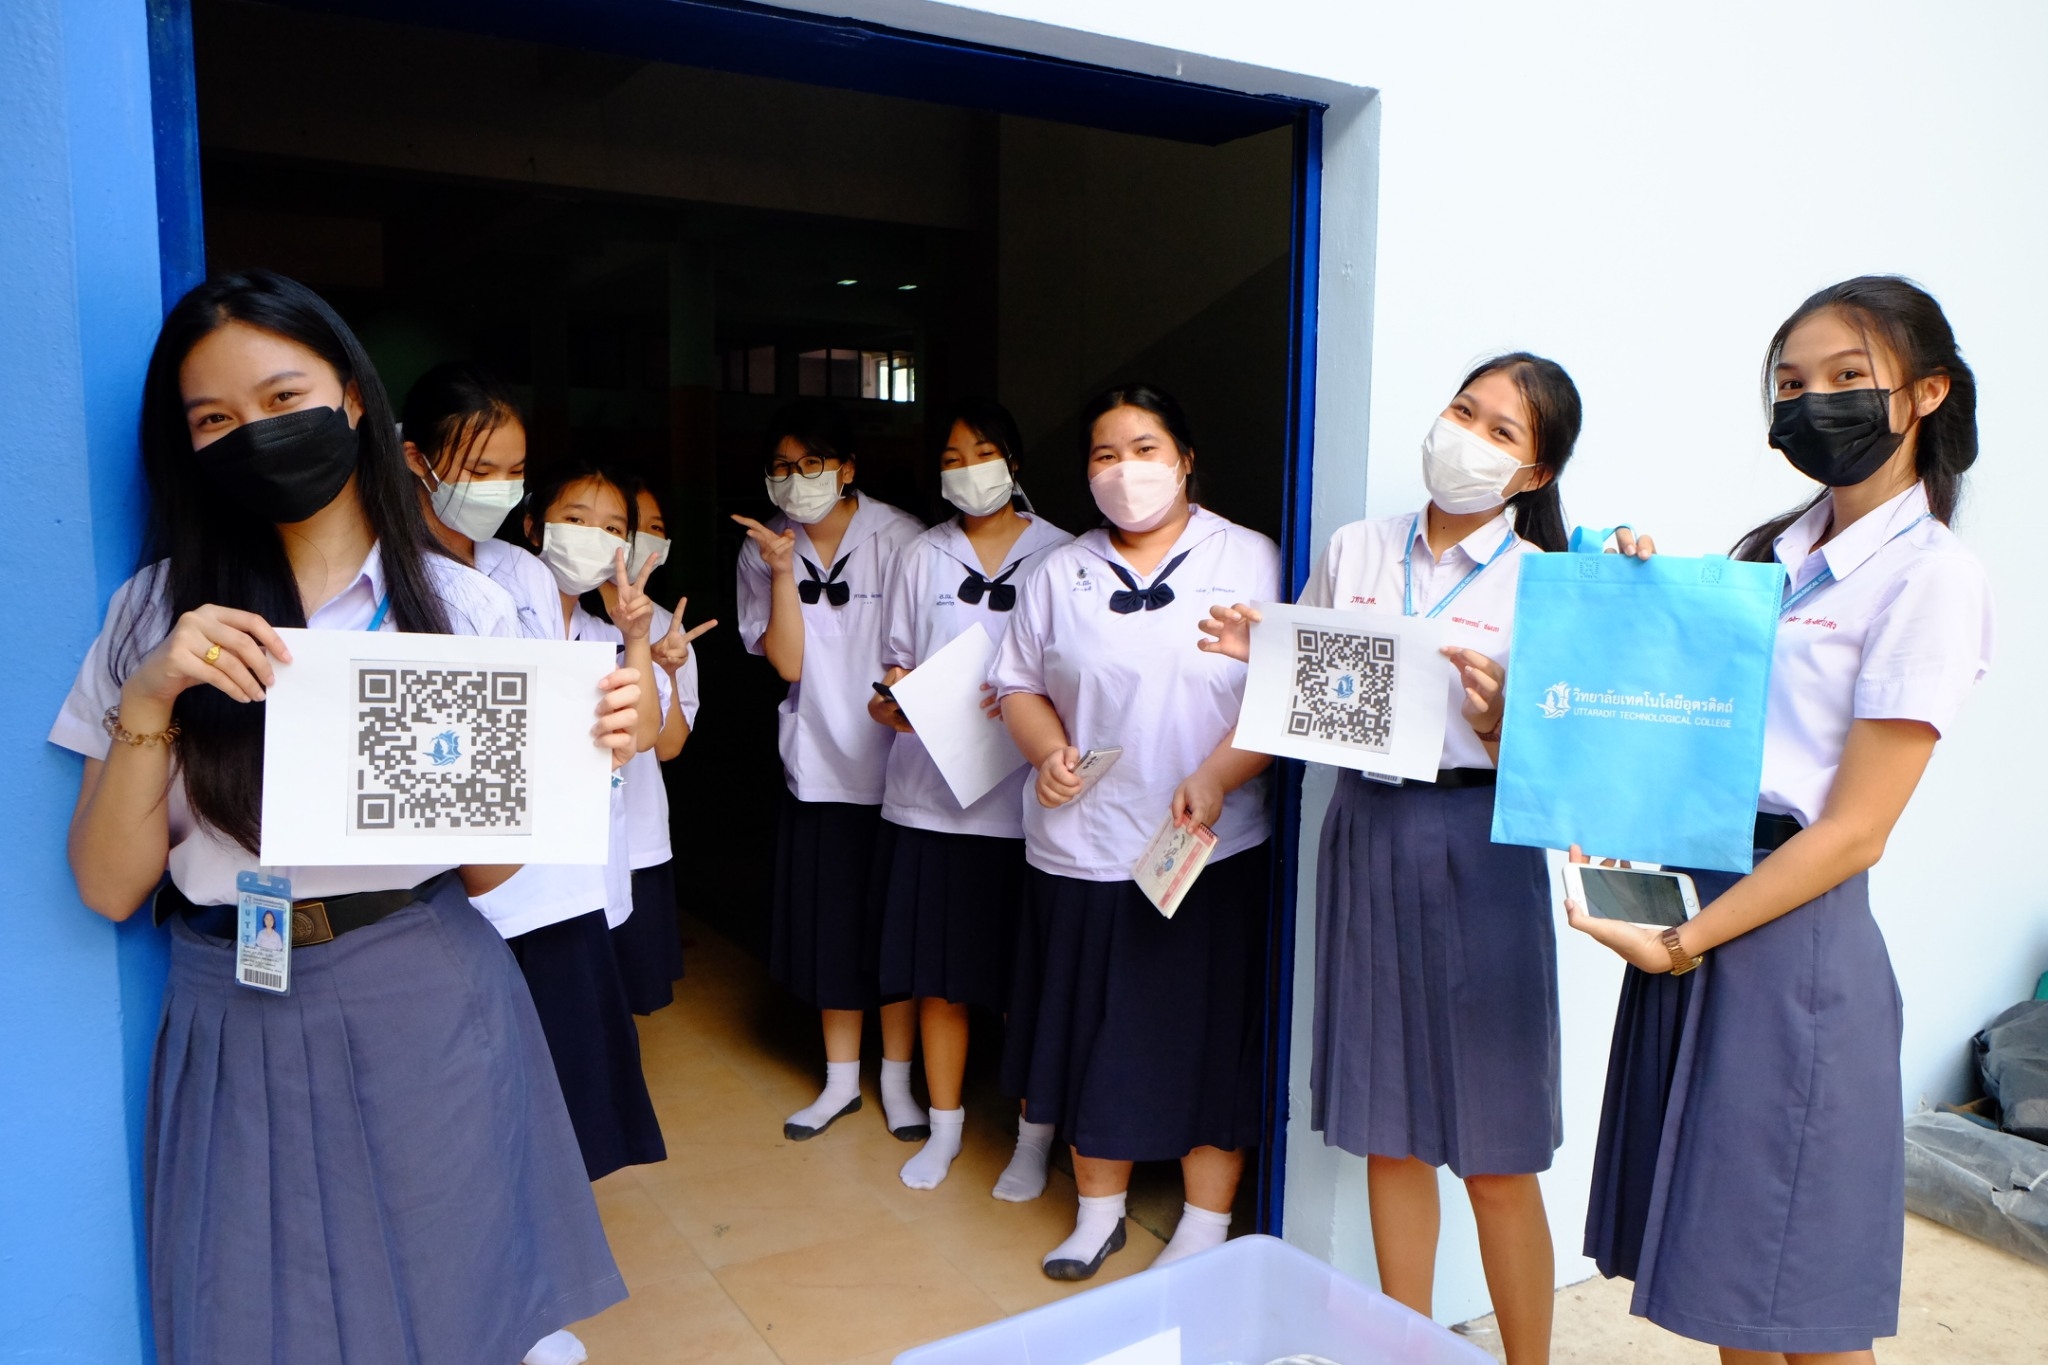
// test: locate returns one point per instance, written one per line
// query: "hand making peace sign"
(672, 650)
(634, 614)
(779, 551)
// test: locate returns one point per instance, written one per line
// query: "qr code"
(1343, 688)
(440, 750)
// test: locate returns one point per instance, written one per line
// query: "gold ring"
(212, 655)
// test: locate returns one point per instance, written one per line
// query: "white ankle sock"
(1198, 1231)
(1094, 1222)
(925, 1170)
(899, 1106)
(842, 1087)
(1023, 1180)
(556, 1348)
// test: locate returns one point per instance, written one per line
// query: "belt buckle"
(309, 924)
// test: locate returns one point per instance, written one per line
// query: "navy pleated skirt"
(649, 945)
(374, 1169)
(573, 975)
(945, 912)
(1136, 1034)
(1436, 1025)
(819, 946)
(1775, 1214)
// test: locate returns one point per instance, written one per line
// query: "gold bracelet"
(123, 735)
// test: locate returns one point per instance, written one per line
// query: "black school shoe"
(797, 1132)
(1085, 1270)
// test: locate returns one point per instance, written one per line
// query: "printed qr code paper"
(1357, 689)
(418, 750)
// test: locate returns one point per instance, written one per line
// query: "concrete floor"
(746, 1249)
(1962, 1301)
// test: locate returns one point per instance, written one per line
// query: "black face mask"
(284, 469)
(1839, 438)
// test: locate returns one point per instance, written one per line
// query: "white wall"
(1643, 192)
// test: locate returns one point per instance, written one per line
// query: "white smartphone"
(1633, 895)
(1093, 765)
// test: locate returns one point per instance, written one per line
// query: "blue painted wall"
(80, 297)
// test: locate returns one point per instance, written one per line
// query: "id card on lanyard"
(1408, 598)
(263, 910)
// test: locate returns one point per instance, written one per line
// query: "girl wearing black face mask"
(389, 1134)
(1750, 1170)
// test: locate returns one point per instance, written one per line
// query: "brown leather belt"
(313, 921)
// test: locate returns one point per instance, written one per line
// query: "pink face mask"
(1136, 495)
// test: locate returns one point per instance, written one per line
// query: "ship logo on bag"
(1557, 700)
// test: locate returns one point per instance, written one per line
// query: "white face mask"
(978, 489)
(580, 557)
(476, 508)
(1136, 495)
(1465, 472)
(646, 547)
(808, 501)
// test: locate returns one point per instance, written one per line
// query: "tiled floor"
(743, 1247)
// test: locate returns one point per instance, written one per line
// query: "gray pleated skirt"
(1436, 1028)
(1777, 1213)
(376, 1169)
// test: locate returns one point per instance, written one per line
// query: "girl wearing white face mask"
(1136, 1036)
(810, 600)
(559, 923)
(650, 944)
(947, 878)
(1421, 918)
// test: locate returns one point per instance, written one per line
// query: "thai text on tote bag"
(1634, 722)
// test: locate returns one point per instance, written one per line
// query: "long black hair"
(1555, 414)
(452, 408)
(211, 551)
(1146, 398)
(1908, 322)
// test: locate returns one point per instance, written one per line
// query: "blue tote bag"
(1634, 722)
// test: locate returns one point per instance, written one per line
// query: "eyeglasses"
(810, 466)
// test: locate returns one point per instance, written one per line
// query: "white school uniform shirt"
(1903, 633)
(832, 750)
(538, 894)
(618, 867)
(1135, 681)
(647, 832)
(204, 862)
(924, 615)
(1361, 570)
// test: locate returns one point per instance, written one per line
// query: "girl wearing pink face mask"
(1135, 1034)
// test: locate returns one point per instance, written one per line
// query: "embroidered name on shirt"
(1476, 625)
(1821, 621)
(1358, 601)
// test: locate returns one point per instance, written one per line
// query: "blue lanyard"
(383, 610)
(1408, 572)
(1827, 576)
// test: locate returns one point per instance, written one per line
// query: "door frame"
(851, 53)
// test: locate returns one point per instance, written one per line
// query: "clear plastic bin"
(1250, 1301)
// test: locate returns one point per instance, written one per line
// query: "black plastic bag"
(1983, 1183)
(2012, 1059)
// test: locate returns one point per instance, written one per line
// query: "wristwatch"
(1680, 962)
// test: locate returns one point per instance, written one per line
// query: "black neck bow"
(1002, 594)
(827, 586)
(1134, 597)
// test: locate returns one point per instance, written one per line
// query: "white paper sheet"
(383, 748)
(1162, 1348)
(941, 698)
(1360, 690)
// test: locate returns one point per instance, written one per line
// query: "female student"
(381, 1155)
(649, 945)
(1773, 1220)
(947, 878)
(1436, 1017)
(580, 518)
(1136, 1035)
(810, 600)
